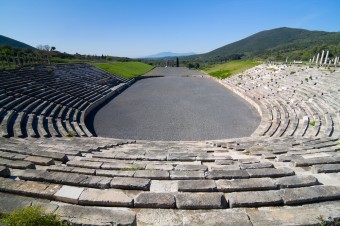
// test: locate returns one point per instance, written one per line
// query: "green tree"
(177, 62)
(190, 65)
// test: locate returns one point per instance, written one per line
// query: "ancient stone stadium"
(278, 165)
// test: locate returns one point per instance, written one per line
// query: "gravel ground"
(176, 108)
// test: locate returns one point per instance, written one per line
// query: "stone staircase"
(193, 181)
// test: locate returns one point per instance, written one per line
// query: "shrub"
(31, 216)
(70, 134)
(328, 223)
(50, 70)
(312, 123)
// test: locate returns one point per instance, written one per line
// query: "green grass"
(126, 70)
(229, 69)
(30, 216)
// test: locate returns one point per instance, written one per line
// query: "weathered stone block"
(226, 174)
(294, 196)
(326, 168)
(257, 165)
(192, 167)
(152, 174)
(226, 218)
(40, 160)
(251, 184)
(196, 185)
(80, 215)
(155, 200)
(68, 194)
(186, 175)
(296, 181)
(106, 197)
(130, 183)
(200, 200)
(271, 172)
(254, 199)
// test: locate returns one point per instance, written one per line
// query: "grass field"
(125, 69)
(229, 69)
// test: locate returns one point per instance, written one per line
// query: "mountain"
(276, 44)
(168, 54)
(13, 43)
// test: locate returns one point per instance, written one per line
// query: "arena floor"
(176, 107)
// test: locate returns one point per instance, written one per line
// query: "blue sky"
(135, 28)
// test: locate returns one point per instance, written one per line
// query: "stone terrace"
(288, 179)
(52, 101)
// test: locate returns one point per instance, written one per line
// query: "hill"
(276, 44)
(168, 54)
(14, 43)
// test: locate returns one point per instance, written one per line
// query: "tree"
(177, 62)
(197, 65)
(53, 48)
(190, 65)
(43, 47)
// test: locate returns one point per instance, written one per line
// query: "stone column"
(317, 59)
(313, 59)
(14, 60)
(323, 53)
(326, 57)
(7, 59)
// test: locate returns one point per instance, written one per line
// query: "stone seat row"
(37, 102)
(291, 109)
(184, 198)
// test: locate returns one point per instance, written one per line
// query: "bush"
(71, 134)
(31, 216)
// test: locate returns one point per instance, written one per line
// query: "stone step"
(301, 162)
(297, 196)
(251, 184)
(326, 168)
(254, 199)
(40, 160)
(16, 164)
(295, 215)
(270, 172)
(200, 201)
(105, 197)
(28, 188)
(72, 214)
(155, 200)
(196, 185)
(296, 181)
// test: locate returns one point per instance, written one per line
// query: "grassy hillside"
(13, 43)
(276, 44)
(229, 69)
(125, 69)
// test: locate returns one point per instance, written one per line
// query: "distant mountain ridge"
(279, 43)
(14, 43)
(168, 54)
